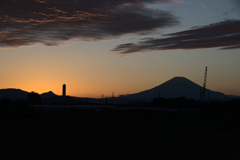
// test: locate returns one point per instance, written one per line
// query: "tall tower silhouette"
(64, 90)
(64, 93)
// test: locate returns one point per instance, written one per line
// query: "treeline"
(16, 109)
(24, 106)
(33, 99)
(182, 102)
(179, 102)
(20, 108)
(227, 106)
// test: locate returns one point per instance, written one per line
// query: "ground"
(120, 135)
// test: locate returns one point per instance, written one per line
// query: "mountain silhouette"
(13, 94)
(16, 94)
(48, 95)
(178, 87)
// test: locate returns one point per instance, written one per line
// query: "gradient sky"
(98, 47)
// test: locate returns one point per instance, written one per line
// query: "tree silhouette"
(5, 102)
(34, 97)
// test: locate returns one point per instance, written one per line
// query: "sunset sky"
(98, 47)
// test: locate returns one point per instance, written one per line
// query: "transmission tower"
(204, 87)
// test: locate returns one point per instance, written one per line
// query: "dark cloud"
(225, 35)
(25, 22)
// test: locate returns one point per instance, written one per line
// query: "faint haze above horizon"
(120, 46)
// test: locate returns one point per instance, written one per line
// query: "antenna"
(204, 87)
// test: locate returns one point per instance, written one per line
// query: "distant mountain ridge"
(48, 94)
(175, 87)
(178, 87)
(13, 94)
(16, 94)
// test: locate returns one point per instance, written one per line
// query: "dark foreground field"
(120, 135)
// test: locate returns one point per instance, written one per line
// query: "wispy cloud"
(178, 1)
(224, 35)
(203, 5)
(230, 11)
(50, 22)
